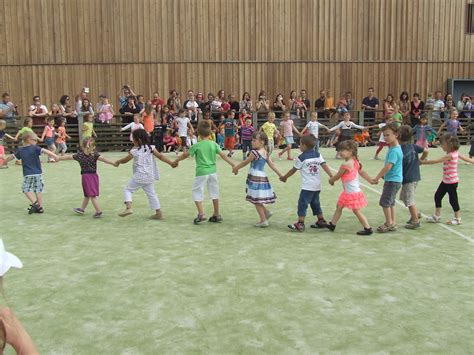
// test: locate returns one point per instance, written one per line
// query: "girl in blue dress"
(258, 188)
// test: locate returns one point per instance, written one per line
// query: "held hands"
(374, 181)
(331, 181)
(235, 171)
(283, 178)
(174, 164)
(116, 164)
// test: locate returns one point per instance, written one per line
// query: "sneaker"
(320, 223)
(331, 227)
(433, 219)
(215, 219)
(376, 158)
(268, 214)
(365, 231)
(79, 211)
(454, 222)
(97, 215)
(199, 219)
(157, 215)
(412, 225)
(298, 226)
(126, 212)
(263, 224)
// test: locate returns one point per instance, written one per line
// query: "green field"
(133, 285)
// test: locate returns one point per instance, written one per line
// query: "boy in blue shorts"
(309, 163)
(392, 173)
(33, 185)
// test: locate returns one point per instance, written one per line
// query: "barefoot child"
(309, 164)
(449, 185)
(205, 152)
(287, 127)
(392, 172)
(32, 174)
(259, 191)
(145, 172)
(352, 197)
(87, 158)
(411, 173)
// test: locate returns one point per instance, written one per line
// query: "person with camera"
(124, 94)
(246, 102)
(262, 106)
(279, 106)
(464, 106)
(8, 109)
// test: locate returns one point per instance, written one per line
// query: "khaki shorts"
(407, 194)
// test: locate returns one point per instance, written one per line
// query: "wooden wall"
(51, 47)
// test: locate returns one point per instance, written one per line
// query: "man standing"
(320, 103)
(370, 104)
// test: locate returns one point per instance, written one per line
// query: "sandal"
(199, 219)
(385, 228)
(433, 219)
(454, 222)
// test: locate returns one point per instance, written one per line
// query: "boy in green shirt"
(205, 152)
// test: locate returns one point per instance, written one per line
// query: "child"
(332, 142)
(287, 127)
(182, 123)
(87, 158)
(105, 111)
(352, 197)
(3, 135)
(362, 138)
(247, 132)
(159, 134)
(345, 128)
(270, 129)
(205, 152)
(382, 142)
(50, 135)
(259, 191)
(449, 185)
(396, 115)
(229, 132)
(61, 137)
(452, 125)
(221, 137)
(192, 139)
(313, 128)
(148, 117)
(411, 173)
(300, 108)
(88, 127)
(27, 128)
(32, 174)
(422, 131)
(133, 126)
(145, 172)
(169, 141)
(310, 164)
(392, 172)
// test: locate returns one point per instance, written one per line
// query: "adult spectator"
(262, 105)
(320, 103)
(174, 102)
(246, 102)
(438, 106)
(157, 102)
(292, 102)
(85, 108)
(200, 101)
(404, 107)
(279, 106)
(37, 111)
(416, 109)
(124, 94)
(79, 98)
(141, 102)
(464, 106)
(388, 105)
(329, 105)
(234, 104)
(303, 95)
(350, 102)
(69, 113)
(210, 99)
(8, 109)
(370, 104)
(221, 95)
(129, 110)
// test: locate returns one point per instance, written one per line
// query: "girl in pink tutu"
(87, 158)
(352, 197)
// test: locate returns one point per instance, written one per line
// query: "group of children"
(401, 171)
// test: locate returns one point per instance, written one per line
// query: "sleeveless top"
(350, 180)
(450, 169)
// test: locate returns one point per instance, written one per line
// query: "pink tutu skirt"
(352, 201)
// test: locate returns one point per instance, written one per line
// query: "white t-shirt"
(309, 164)
(313, 128)
(382, 138)
(145, 170)
(191, 105)
(182, 126)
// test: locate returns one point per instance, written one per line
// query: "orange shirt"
(148, 122)
(361, 137)
(61, 135)
(329, 102)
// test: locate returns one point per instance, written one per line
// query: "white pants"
(212, 187)
(149, 189)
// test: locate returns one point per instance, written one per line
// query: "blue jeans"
(309, 198)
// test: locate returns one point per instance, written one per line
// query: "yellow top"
(269, 129)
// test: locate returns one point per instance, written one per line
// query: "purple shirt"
(452, 126)
(247, 132)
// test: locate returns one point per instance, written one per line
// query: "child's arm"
(239, 166)
(182, 157)
(338, 175)
(295, 129)
(425, 154)
(65, 157)
(9, 158)
(466, 159)
(290, 173)
(51, 154)
(382, 172)
(272, 166)
(190, 126)
(68, 136)
(436, 161)
(322, 125)
(84, 128)
(366, 176)
(327, 170)
(441, 127)
(107, 161)
(126, 127)
(9, 137)
(227, 159)
(93, 133)
(303, 130)
(164, 159)
(43, 135)
(461, 129)
(17, 136)
(335, 127)
(124, 159)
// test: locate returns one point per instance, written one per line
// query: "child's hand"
(331, 181)
(283, 178)
(116, 164)
(235, 171)
(374, 181)
(174, 164)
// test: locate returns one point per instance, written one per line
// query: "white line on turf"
(459, 234)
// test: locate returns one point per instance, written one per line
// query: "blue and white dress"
(258, 188)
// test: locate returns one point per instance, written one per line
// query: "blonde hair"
(271, 114)
(29, 135)
(88, 146)
(3, 124)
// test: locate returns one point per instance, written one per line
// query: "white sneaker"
(263, 224)
(433, 219)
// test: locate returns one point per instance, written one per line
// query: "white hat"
(8, 260)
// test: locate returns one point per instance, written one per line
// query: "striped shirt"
(450, 169)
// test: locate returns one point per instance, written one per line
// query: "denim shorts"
(309, 198)
(389, 193)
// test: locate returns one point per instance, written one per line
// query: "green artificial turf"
(133, 285)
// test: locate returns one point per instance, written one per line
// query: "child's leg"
(387, 211)
(303, 201)
(39, 198)
(30, 196)
(316, 205)
(131, 187)
(213, 189)
(198, 193)
(379, 149)
(392, 215)
(215, 204)
(153, 200)
(362, 219)
(337, 215)
(199, 208)
(438, 197)
(95, 203)
(85, 202)
(261, 212)
(453, 199)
